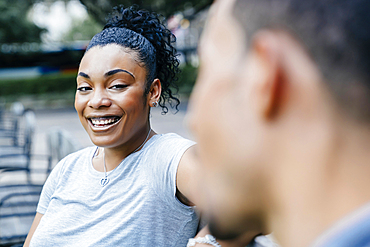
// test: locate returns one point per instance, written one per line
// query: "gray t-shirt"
(138, 206)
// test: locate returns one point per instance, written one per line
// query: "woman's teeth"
(103, 121)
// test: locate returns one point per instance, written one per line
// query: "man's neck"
(319, 199)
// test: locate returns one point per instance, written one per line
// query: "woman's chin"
(102, 142)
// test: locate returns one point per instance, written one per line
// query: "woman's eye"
(118, 86)
(84, 89)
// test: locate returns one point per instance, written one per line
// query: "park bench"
(17, 209)
(18, 200)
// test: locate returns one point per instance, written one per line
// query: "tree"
(14, 26)
(100, 8)
(83, 30)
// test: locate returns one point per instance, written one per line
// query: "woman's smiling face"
(110, 99)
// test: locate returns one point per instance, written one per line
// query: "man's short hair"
(336, 34)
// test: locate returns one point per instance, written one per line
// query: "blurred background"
(41, 44)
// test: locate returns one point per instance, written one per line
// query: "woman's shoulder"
(75, 157)
(70, 163)
(168, 143)
(82, 153)
(170, 137)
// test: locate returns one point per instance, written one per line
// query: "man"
(281, 113)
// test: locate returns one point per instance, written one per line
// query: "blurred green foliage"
(39, 85)
(83, 30)
(100, 8)
(14, 24)
(15, 27)
(187, 79)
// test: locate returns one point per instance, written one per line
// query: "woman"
(123, 191)
(134, 188)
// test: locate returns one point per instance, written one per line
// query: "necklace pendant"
(104, 181)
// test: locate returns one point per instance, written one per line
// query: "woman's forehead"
(100, 59)
(112, 48)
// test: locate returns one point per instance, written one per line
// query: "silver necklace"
(105, 180)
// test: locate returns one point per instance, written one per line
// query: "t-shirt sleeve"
(168, 152)
(49, 188)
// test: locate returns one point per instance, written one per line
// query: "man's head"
(278, 79)
(335, 34)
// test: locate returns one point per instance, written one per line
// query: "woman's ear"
(155, 93)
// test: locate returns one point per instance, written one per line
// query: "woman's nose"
(99, 99)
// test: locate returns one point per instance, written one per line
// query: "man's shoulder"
(352, 230)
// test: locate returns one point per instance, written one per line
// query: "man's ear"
(155, 92)
(268, 85)
(284, 77)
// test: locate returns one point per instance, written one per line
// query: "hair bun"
(149, 25)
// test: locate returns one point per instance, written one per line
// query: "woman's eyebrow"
(84, 75)
(112, 72)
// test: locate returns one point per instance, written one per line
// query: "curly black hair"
(143, 32)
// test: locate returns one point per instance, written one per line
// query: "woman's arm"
(35, 223)
(188, 178)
